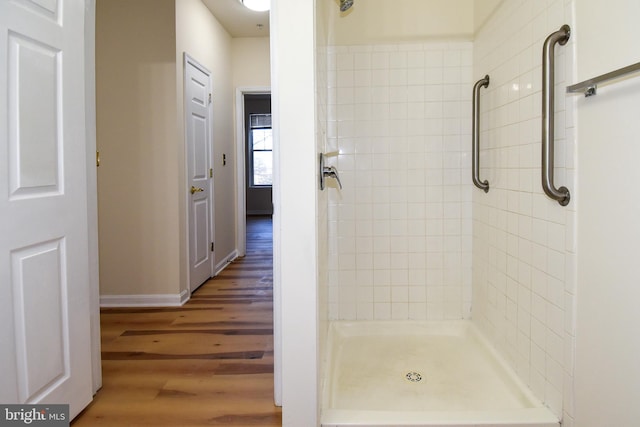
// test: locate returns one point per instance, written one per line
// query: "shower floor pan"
(422, 374)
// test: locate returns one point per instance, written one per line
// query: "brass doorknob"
(196, 189)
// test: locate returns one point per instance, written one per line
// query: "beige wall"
(379, 21)
(136, 136)
(251, 68)
(376, 21)
(482, 10)
(142, 206)
(250, 61)
(200, 35)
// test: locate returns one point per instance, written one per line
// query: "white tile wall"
(403, 229)
(400, 229)
(523, 243)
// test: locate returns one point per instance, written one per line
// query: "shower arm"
(483, 185)
(561, 195)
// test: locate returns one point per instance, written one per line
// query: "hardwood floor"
(209, 362)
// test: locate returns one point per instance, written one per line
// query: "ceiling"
(238, 20)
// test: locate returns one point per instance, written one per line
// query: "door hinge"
(209, 98)
(210, 172)
(212, 246)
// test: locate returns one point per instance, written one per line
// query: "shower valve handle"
(332, 172)
(327, 171)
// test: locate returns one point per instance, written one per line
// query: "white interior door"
(45, 343)
(198, 109)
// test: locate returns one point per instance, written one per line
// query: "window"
(260, 150)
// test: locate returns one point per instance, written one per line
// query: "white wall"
(400, 229)
(295, 224)
(607, 378)
(523, 242)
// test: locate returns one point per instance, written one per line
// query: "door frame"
(186, 59)
(92, 189)
(297, 360)
(241, 209)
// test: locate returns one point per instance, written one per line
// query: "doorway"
(258, 154)
(260, 195)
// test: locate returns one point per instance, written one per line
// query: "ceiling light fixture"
(257, 5)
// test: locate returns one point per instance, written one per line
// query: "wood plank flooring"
(209, 362)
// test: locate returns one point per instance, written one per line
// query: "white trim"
(225, 262)
(92, 192)
(241, 187)
(153, 300)
(277, 235)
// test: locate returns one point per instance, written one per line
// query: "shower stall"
(551, 289)
(418, 260)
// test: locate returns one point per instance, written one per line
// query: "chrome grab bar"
(561, 195)
(483, 185)
(589, 87)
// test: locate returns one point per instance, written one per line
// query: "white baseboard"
(153, 300)
(225, 262)
(159, 300)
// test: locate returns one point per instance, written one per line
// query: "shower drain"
(414, 377)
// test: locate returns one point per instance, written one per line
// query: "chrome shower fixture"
(345, 5)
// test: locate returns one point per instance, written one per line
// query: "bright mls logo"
(34, 415)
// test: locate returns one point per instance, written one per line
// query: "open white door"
(44, 277)
(198, 99)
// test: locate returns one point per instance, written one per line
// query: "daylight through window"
(261, 143)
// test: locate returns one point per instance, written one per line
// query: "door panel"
(44, 262)
(200, 149)
(38, 291)
(200, 218)
(46, 8)
(198, 130)
(34, 91)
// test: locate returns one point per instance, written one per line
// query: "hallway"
(209, 362)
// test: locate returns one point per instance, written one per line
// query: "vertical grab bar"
(561, 195)
(483, 185)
